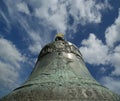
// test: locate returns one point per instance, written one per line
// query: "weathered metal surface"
(60, 74)
(60, 46)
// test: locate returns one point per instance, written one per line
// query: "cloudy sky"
(27, 25)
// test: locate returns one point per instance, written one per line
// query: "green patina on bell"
(60, 74)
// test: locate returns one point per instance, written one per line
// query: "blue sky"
(27, 25)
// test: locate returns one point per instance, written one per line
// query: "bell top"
(59, 36)
(60, 45)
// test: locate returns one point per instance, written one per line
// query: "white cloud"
(10, 60)
(22, 7)
(102, 69)
(115, 61)
(53, 15)
(5, 19)
(112, 33)
(94, 51)
(82, 11)
(36, 46)
(9, 52)
(112, 83)
(85, 11)
(8, 75)
(36, 37)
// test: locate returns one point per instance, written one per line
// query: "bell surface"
(60, 74)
